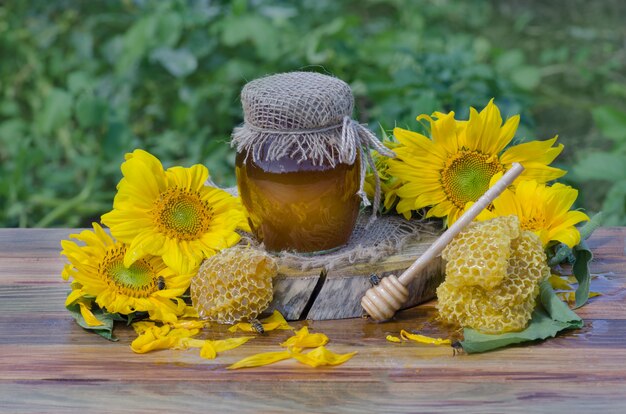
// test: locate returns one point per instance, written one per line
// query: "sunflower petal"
(190, 324)
(508, 131)
(153, 338)
(144, 243)
(508, 204)
(303, 339)
(533, 150)
(165, 309)
(418, 143)
(490, 137)
(570, 297)
(558, 283)
(192, 178)
(572, 218)
(444, 133)
(540, 173)
(273, 322)
(89, 317)
(126, 224)
(258, 360)
(74, 296)
(176, 259)
(560, 198)
(322, 356)
(231, 343)
(142, 326)
(569, 236)
(144, 173)
(424, 339)
(208, 350)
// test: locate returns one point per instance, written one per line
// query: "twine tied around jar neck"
(306, 116)
(354, 136)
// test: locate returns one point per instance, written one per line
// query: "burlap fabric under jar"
(307, 118)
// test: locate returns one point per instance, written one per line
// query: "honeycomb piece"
(471, 307)
(479, 255)
(503, 307)
(527, 268)
(234, 285)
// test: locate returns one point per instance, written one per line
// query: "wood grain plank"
(319, 397)
(48, 364)
(37, 243)
(292, 294)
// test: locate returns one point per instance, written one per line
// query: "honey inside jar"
(299, 205)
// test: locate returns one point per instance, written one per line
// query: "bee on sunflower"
(99, 275)
(163, 224)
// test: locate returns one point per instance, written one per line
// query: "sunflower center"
(138, 281)
(466, 176)
(181, 214)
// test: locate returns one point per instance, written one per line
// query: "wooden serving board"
(318, 294)
(48, 364)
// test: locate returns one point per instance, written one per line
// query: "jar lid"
(296, 114)
(296, 100)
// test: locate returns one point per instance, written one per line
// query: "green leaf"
(9, 108)
(78, 82)
(168, 29)
(601, 166)
(549, 318)
(314, 39)
(615, 204)
(11, 132)
(580, 269)
(178, 62)
(237, 30)
(611, 122)
(105, 330)
(116, 140)
(57, 110)
(137, 40)
(509, 60)
(526, 77)
(239, 7)
(90, 111)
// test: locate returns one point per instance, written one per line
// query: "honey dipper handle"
(382, 301)
(466, 218)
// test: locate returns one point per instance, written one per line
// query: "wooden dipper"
(382, 301)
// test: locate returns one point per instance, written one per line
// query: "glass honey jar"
(300, 161)
(302, 207)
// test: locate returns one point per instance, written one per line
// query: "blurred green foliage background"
(83, 82)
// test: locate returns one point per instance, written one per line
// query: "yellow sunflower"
(388, 183)
(98, 271)
(172, 213)
(541, 209)
(456, 165)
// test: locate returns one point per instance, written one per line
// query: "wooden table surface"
(49, 364)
